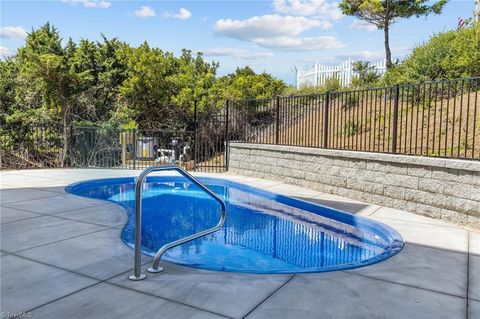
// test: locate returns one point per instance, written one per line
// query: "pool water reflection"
(263, 233)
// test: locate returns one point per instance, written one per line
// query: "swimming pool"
(264, 232)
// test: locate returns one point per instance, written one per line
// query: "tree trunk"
(66, 132)
(388, 53)
(477, 11)
(65, 141)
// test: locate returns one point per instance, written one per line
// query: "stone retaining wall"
(442, 188)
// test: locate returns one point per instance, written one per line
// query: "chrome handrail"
(137, 271)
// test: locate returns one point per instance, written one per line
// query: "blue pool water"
(264, 232)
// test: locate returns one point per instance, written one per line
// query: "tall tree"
(46, 88)
(147, 90)
(100, 73)
(383, 13)
(244, 83)
(477, 11)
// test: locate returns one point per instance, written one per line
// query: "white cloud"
(237, 53)
(362, 25)
(309, 8)
(102, 4)
(267, 26)
(301, 43)
(144, 12)
(183, 14)
(277, 32)
(362, 55)
(5, 52)
(398, 53)
(12, 32)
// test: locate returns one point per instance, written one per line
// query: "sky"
(269, 35)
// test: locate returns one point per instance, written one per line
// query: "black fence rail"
(210, 141)
(41, 146)
(33, 146)
(36, 146)
(128, 148)
(428, 119)
(137, 149)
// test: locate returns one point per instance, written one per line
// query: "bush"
(447, 55)
(350, 129)
(366, 74)
(330, 85)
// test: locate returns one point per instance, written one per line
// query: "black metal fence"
(101, 147)
(33, 146)
(128, 148)
(210, 141)
(47, 145)
(428, 119)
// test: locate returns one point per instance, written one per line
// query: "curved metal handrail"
(137, 271)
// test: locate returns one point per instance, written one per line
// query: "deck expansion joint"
(60, 240)
(269, 295)
(468, 274)
(168, 299)
(403, 284)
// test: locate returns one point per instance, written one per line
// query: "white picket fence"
(317, 75)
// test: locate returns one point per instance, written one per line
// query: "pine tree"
(383, 13)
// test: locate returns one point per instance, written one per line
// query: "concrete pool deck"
(62, 256)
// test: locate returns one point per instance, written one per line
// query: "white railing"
(317, 75)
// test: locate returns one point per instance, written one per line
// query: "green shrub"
(305, 90)
(330, 85)
(366, 74)
(350, 129)
(351, 100)
(447, 55)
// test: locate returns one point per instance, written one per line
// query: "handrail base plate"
(155, 271)
(136, 278)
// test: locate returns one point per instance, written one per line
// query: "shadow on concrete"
(349, 207)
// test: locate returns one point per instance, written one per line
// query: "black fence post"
(226, 133)
(195, 128)
(396, 97)
(277, 125)
(325, 120)
(134, 133)
(70, 146)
